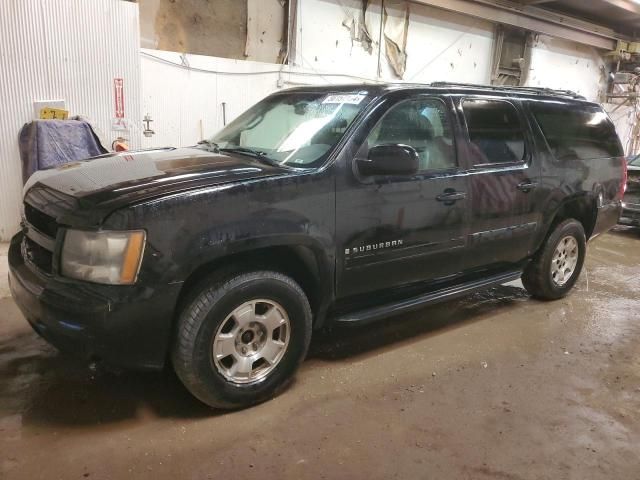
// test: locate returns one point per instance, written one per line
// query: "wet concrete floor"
(493, 386)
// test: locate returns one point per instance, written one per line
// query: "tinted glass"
(297, 129)
(423, 125)
(495, 131)
(576, 132)
(635, 162)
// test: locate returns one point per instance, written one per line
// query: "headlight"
(103, 257)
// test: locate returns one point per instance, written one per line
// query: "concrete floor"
(493, 386)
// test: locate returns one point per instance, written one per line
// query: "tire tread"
(536, 277)
(206, 295)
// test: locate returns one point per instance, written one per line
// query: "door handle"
(449, 197)
(527, 186)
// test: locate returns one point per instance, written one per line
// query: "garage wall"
(48, 54)
(440, 45)
(187, 26)
(244, 30)
(443, 46)
(561, 64)
(183, 94)
(266, 25)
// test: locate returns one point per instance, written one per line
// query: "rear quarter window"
(577, 132)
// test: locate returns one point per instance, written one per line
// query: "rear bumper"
(630, 215)
(607, 217)
(123, 326)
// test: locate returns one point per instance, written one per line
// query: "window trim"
(526, 158)
(420, 174)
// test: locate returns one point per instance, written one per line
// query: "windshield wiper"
(211, 146)
(252, 153)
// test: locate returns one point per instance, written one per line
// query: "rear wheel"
(240, 341)
(556, 267)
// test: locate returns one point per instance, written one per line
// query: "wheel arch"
(582, 208)
(307, 264)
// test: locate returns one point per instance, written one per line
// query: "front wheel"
(556, 267)
(239, 341)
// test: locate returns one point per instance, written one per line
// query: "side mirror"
(390, 160)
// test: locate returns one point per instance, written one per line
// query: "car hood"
(83, 193)
(134, 176)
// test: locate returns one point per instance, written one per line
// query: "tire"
(280, 330)
(549, 275)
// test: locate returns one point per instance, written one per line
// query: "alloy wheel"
(251, 341)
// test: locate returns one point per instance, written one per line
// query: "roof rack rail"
(506, 88)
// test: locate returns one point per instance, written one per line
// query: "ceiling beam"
(532, 18)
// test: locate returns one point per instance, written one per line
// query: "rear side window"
(577, 132)
(495, 131)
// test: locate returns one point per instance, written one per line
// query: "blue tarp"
(50, 143)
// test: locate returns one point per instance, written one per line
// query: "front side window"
(495, 132)
(297, 129)
(422, 124)
(577, 132)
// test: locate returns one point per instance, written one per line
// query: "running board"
(415, 303)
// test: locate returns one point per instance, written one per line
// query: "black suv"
(319, 204)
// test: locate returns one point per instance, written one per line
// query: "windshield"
(635, 161)
(296, 129)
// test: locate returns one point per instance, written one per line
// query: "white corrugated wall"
(184, 94)
(63, 49)
(186, 104)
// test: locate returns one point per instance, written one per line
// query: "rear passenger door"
(503, 179)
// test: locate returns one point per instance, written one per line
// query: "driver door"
(394, 230)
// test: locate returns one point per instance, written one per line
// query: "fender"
(300, 252)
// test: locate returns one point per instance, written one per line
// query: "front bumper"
(124, 326)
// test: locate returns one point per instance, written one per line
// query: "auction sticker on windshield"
(353, 99)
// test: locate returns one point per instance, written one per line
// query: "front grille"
(41, 221)
(37, 255)
(39, 239)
